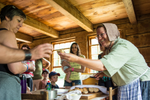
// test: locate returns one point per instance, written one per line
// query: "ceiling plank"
(130, 11)
(71, 12)
(38, 9)
(38, 26)
(23, 37)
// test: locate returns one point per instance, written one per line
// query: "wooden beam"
(23, 37)
(38, 26)
(67, 9)
(130, 11)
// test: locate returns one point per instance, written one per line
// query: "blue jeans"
(77, 82)
(145, 90)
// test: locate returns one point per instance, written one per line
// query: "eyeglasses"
(100, 35)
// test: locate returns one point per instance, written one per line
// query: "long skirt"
(130, 91)
(145, 90)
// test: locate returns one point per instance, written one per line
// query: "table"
(96, 96)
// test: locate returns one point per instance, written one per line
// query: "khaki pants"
(36, 84)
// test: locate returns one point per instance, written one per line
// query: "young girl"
(42, 84)
(75, 69)
(28, 74)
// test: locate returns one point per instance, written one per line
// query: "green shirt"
(75, 75)
(124, 63)
(39, 69)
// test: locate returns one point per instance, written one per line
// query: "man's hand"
(41, 51)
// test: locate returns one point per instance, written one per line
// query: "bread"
(85, 90)
(76, 88)
(81, 89)
(96, 90)
(60, 51)
(91, 90)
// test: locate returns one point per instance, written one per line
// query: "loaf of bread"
(91, 90)
(85, 90)
(60, 51)
(81, 89)
(95, 90)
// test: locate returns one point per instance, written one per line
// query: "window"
(94, 50)
(63, 45)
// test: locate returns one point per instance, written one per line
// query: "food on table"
(91, 90)
(86, 90)
(96, 90)
(81, 89)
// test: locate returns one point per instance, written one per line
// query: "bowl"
(52, 94)
(75, 96)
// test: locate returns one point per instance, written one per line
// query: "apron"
(131, 91)
(10, 88)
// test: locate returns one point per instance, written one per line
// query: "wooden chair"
(42, 96)
(112, 92)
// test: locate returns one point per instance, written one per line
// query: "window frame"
(89, 46)
(52, 57)
(59, 42)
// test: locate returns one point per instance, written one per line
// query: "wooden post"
(110, 93)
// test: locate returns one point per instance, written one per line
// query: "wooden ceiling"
(49, 17)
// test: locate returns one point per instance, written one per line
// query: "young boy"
(53, 76)
(42, 84)
(65, 65)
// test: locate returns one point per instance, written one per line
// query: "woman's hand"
(31, 67)
(99, 75)
(69, 57)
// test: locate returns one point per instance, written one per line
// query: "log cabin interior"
(62, 22)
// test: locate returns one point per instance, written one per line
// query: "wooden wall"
(138, 34)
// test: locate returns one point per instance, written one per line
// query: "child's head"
(53, 76)
(45, 73)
